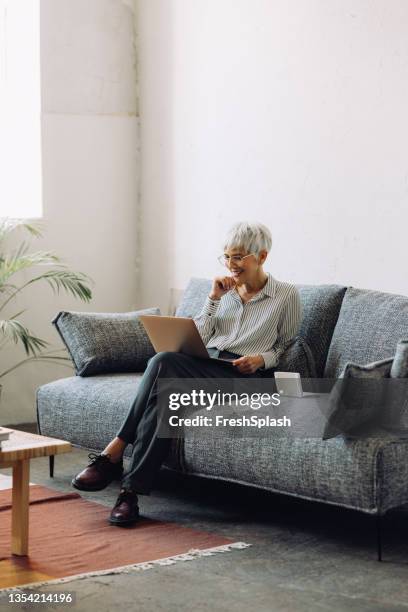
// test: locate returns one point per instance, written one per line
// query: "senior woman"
(248, 316)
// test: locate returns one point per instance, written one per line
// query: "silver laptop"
(176, 334)
(290, 384)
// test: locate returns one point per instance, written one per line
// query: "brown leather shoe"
(125, 511)
(98, 474)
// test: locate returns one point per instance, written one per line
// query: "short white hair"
(251, 237)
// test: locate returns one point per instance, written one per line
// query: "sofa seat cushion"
(88, 412)
(349, 473)
(320, 309)
(369, 326)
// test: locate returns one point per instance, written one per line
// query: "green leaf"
(18, 333)
(7, 288)
(21, 261)
(58, 276)
(71, 282)
(8, 226)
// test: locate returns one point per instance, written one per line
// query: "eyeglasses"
(227, 260)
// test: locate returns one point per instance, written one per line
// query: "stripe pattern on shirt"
(265, 325)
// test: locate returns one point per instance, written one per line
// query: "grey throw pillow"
(356, 398)
(101, 343)
(297, 357)
(400, 365)
(395, 416)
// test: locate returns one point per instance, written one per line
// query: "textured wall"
(90, 132)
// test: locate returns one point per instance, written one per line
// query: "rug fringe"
(193, 553)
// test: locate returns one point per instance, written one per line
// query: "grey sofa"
(340, 324)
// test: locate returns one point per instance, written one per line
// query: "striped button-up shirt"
(264, 325)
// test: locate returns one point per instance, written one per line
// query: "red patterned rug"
(70, 537)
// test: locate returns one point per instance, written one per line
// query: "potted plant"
(57, 275)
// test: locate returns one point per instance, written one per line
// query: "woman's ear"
(262, 256)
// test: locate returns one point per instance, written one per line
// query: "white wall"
(90, 172)
(291, 112)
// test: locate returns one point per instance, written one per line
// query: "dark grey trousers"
(141, 424)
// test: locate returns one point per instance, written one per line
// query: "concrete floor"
(304, 556)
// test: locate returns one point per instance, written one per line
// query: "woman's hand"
(249, 364)
(220, 286)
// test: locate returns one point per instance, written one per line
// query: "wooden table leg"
(20, 500)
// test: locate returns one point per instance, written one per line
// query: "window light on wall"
(20, 109)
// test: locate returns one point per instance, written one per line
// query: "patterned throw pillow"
(356, 398)
(297, 357)
(102, 343)
(400, 366)
(395, 416)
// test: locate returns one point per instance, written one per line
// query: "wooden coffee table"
(16, 453)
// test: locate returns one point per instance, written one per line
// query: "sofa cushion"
(356, 398)
(297, 358)
(193, 297)
(320, 304)
(394, 417)
(101, 343)
(369, 326)
(88, 412)
(400, 364)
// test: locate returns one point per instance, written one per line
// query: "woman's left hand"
(249, 364)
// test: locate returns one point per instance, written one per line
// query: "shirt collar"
(270, 286)
(269, 289)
